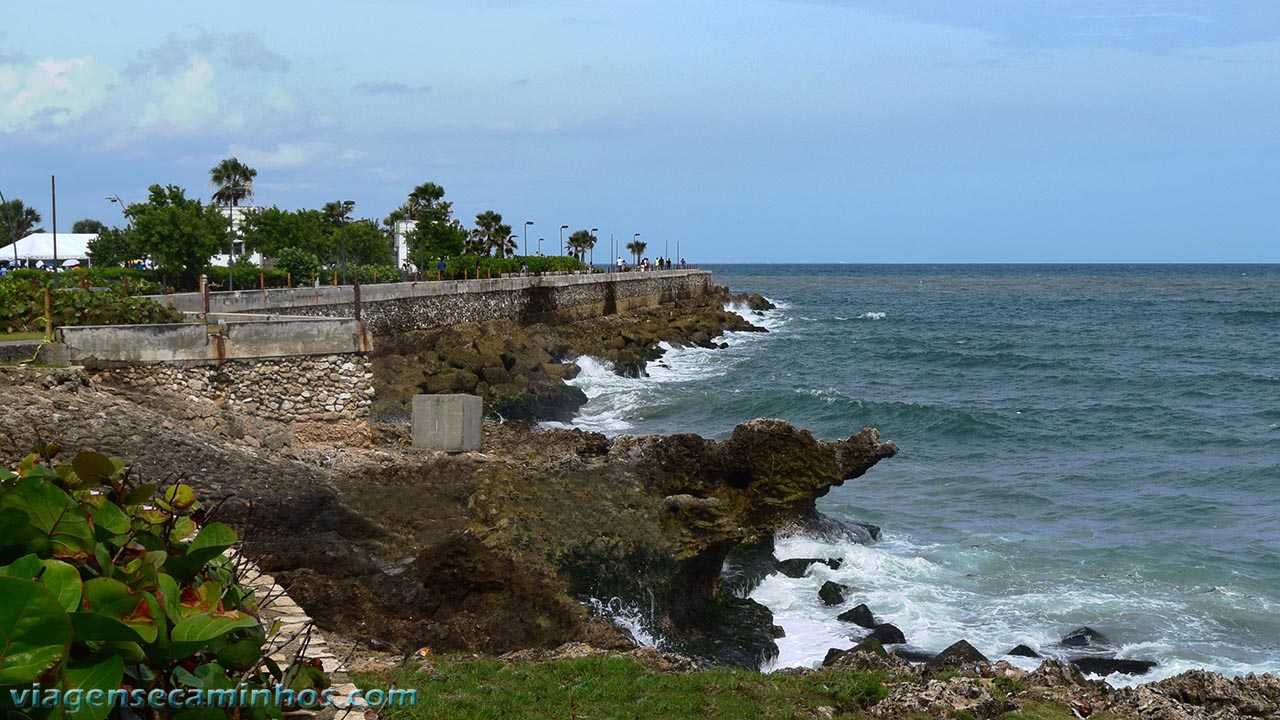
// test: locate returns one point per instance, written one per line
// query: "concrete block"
(447, 422)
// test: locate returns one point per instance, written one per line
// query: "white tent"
(39, 246)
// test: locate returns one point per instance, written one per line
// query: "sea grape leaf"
(118, 601)
(106, 674)
(209, 543)
(55, 515)
(60, 579)
(91, 626)
(109, 519)
(36, 631)
(180, 498)
(92, 467)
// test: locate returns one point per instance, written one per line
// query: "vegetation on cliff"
(108, 583)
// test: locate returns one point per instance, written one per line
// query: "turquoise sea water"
(1081, 445)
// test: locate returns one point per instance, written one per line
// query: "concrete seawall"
(200, 343)
(396, 307)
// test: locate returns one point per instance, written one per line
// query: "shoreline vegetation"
(470, 577)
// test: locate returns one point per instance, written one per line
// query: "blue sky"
(751, 130)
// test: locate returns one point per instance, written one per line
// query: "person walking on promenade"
(440, 269)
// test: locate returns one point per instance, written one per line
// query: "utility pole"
(53, 192)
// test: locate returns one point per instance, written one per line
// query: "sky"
(737, 130)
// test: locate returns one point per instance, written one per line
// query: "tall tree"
(427, 201)
(179, 233)
(431, 239)
(362, 242)
(17, 221)
(88, 226)
(580, 241)
(636, 248)
(495, 234)
(270, 230)
(112, 247)
(232, 181)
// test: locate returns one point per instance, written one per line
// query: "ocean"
(1080, 445)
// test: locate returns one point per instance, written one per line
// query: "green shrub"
(455, 266)
(107, 583)
(22, 307)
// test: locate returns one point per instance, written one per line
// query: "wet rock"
(748, 564)
(1106, 666)
(859, 615)
(869, 647)
(833, 593)
(958, 654)
(1085, 637)
(914, 655)
(1023, 651)
(888, 634)
(798, 567)
(836, 530)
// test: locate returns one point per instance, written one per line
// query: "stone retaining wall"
(397, 307)
(323, 388)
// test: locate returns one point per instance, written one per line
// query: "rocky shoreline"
(502, 550)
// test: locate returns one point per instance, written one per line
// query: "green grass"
(596, 688)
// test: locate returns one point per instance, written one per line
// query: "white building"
(236, 215)
(399, 234)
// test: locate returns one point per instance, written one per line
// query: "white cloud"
(52, 92)
(294, 154)
(187, 102)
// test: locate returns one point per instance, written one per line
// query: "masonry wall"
(318, 388)
(397, 307)
(257, 337)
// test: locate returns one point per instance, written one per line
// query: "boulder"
(913, 655)
(888, 634)
(859, 615)
(1106, 666)
(869, 646)
(958, 654)
(798, 567)
(1085, 637)
(832, 593)
(1023, 651)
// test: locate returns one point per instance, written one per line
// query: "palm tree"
(427, 202)
(495, 234)
(636, 247)
(233, 181)
(580, 242)
(16, 221)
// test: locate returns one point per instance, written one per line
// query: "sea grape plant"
(107, 583)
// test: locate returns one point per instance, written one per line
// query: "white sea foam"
(934, 593)
(872, 316)
(629, 617)
(614, 402)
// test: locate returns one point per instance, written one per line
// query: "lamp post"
(525, 230)
(540, 247)
(562, 229)
(635, 237)
(593, 248)
(347, 206)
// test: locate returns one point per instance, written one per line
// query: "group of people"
(645, 265)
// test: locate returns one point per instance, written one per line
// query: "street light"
(562, 229)
(593, 248)
(635, 237)
(525, 230)
(540, 247)
(346, 207)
